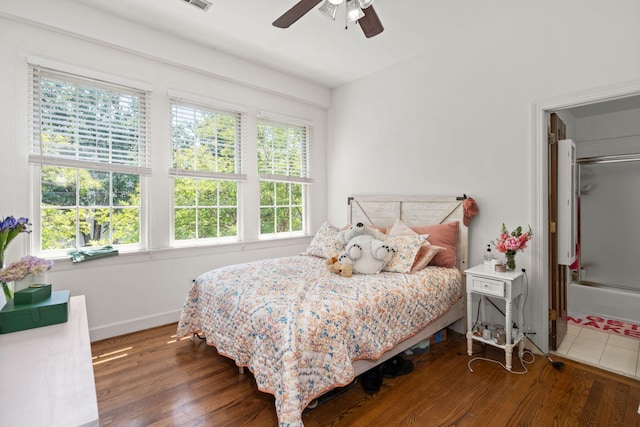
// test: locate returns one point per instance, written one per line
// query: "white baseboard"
(135, 325)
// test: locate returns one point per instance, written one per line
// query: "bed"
(303, 330)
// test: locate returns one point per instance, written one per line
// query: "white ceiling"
(314, 48)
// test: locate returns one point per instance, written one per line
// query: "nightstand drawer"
(487, 286)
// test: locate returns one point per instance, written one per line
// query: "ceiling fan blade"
(296, 12)
(370, 23)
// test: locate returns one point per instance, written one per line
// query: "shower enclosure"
(608, 280)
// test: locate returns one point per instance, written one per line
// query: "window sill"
(65, 264)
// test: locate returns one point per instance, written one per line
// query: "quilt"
(298, 327)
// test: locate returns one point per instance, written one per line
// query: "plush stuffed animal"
(365, 249)
(358, 230)
(345, 270)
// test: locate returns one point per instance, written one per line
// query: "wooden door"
(557, 273)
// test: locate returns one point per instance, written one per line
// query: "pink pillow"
(444, 235)
(399, 228)
(425, 255)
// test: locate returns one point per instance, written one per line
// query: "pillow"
(425, 255)
(325, 243)
(426, 252)
(407, 248)
(444, 235)
(400, 229)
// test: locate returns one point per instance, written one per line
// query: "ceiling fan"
(360, 11)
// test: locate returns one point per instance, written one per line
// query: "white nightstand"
(484, 281)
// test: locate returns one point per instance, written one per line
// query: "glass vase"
(511, 262)
(8, 292)
(6, 287)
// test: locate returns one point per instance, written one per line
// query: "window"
(283, 168)
(90, 140)
(206, 169)
(90, 157)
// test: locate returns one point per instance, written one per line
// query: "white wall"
(131, 292)
(455, 120)
(458, 120)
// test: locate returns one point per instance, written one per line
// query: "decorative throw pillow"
(425, 255)
(426, 252)
(407, 248)
(325, 243)
(399, 228)
(445, 235)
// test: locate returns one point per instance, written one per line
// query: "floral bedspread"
(297, 326)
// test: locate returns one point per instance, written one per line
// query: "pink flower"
(512, 243)
(509, 243)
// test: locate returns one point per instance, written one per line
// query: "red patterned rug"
(611, 326)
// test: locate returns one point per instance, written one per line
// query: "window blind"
(206, 142)
(283, 152)
(85, 123)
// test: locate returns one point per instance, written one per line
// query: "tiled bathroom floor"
(607, 351)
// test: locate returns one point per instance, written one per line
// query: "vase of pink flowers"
(509, 243)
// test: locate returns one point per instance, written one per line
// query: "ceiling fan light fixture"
(367, 18)
(329, 9)
(353, 11)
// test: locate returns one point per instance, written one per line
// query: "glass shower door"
(610, 224)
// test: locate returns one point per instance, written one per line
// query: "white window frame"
(202, 104)
(303, 176)
(38, 156)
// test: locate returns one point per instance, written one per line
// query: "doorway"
(603, 293)
(601, 98)
(607, 141)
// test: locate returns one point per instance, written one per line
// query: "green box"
(50, 311)
(33, 293)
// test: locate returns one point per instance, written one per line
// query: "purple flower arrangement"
(9, 230)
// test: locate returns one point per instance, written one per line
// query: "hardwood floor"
(150, 379)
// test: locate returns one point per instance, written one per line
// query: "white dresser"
(46, 374)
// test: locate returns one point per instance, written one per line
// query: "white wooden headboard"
(414, 211)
